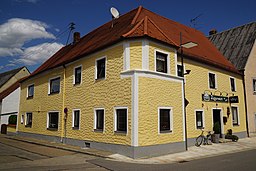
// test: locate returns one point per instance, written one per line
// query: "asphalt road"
(242, 161)
(17, 155)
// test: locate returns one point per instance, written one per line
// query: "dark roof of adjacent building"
(236, 43)
(138, 23)
(5, 76)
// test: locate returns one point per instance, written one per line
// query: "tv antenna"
(193, 21)
(115, 14)
(71, 28)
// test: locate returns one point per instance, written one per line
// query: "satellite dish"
(114, 12)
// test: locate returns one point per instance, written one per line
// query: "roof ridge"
(162, 31)
(137, 15)
(134, 28)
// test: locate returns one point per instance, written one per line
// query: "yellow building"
(119, 88)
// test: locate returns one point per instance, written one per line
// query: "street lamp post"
(185, 45)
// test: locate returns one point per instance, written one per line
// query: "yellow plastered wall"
(41, 103)
(197, 84)
(135, 54)
(108, 93)
(155, 93)
(154, 47)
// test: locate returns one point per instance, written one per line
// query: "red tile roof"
(140, 22)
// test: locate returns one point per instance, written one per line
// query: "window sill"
(53, 93)
(77, 84)
(165, 132)
(235, 125)
(120, 132)
(75, 128)
(98, 130)
(100, 79)
(52, 129)
(30, 97)
(28, 126)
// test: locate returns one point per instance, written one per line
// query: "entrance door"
(216, 118)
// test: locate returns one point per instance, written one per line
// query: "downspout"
(64, 117)
(245, 104)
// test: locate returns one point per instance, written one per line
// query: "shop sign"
(233, 99)
(213, 98)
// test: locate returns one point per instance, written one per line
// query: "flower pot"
(215, 138)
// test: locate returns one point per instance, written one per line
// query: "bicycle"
(203, 139)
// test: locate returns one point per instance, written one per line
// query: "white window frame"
(28, 90)
(22, 118)
(47, 126)
(234, 84)
(74, 74)
(95, 119)
(49, 85)
(96, 60)
(238, 117)
(171, 120)
(73, 119)
(216, 85)
(203, 118)
(168, 60)
(115, 119)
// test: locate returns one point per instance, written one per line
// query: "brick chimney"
(212, 31)
(76, 37)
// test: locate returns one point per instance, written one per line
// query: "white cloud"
(17, 31)
(38, 54)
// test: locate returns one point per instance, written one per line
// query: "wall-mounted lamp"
(187, 72)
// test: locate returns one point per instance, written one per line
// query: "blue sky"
(32, 30)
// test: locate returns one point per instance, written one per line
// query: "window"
(254, 85)
(179, 70)
(199, 120)
(164, 120)
(77, 75)
(161, 62)
(76, 119)
(235, 115)
(121, 120)
(30, 91)
(99, 119)
(212, 81)
(28, 119)
(55, 85)
(232, 84)
(53, 120)
(101, 68)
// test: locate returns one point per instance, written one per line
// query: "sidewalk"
(193, 152)
(77, 149)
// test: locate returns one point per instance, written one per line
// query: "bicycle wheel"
(199, 140)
